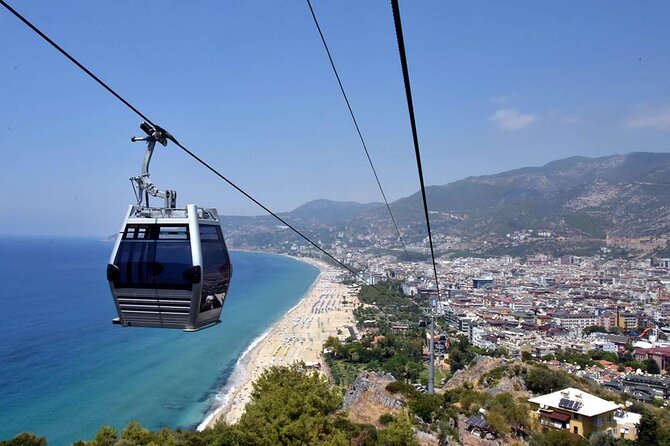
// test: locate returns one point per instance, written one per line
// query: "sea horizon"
(68, 370)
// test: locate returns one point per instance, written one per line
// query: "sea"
(65, 370)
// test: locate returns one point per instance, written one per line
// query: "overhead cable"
(415, 138)
(358, 130)
(181, 146)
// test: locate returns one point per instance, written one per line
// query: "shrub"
(402, 388)
(386, 418)
(543, 380)
(25, 439)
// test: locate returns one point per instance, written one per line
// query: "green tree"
(626, 356)
(647, 434)
(401, 387)
(336, 345)
(106, 436)
(25, 439)
(556, 438)
(574, 357)
(594, 329)
(607, 356)
(652, 367)
(543, 380)
(471, 400)
(165, 437)
(425, 406)
(498, 422)
(514, 412)
(290, 407)
(402, 367)
(602, 439)
(460, 355)
(386, 418)
(134, 433)
(398, 433)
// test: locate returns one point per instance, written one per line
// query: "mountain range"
(578, 198)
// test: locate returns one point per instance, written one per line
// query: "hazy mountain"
(333, 212)
(577, 198)
(619, 194)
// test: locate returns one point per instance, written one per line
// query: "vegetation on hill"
(394, 347)
(578, 195)
(579, 200)
(543, 380)
(292, 406)
(461, 354)
(591, 358)
(288, 406)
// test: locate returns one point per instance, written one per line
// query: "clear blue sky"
(497, 85)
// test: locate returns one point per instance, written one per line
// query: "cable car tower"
(170, 267)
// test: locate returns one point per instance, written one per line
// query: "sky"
(247, 86)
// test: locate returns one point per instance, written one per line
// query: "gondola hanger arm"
(142, 182)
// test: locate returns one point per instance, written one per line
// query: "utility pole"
(431, 349)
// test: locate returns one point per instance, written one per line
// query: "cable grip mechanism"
(142, 185)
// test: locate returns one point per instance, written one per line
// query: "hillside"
(619, 195)
(579, 201)
(333, 212)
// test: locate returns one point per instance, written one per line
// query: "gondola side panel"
(196, 251)
(111, 263)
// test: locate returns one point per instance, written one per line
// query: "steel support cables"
(410, 106)
(355, 121)
(177, 143)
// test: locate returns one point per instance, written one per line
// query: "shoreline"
(242, 363)
(294, 332)
(231, 383)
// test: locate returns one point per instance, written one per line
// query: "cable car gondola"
(169, 267)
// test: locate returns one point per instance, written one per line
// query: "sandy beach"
(298, 336)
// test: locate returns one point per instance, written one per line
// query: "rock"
(367, 398)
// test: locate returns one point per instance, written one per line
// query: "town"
(602, 320)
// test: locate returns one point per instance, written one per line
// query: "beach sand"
(298, 336)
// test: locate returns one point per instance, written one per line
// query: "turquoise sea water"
(65, 370)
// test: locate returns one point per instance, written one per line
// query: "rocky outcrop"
(371, 387)
(480, 366)
(367, 398)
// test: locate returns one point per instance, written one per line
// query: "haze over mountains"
(578, 198)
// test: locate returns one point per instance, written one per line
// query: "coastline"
(297, 336)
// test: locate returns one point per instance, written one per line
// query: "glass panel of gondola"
(135, 258)
(172, 258)
(154, 257)
(216, 268)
